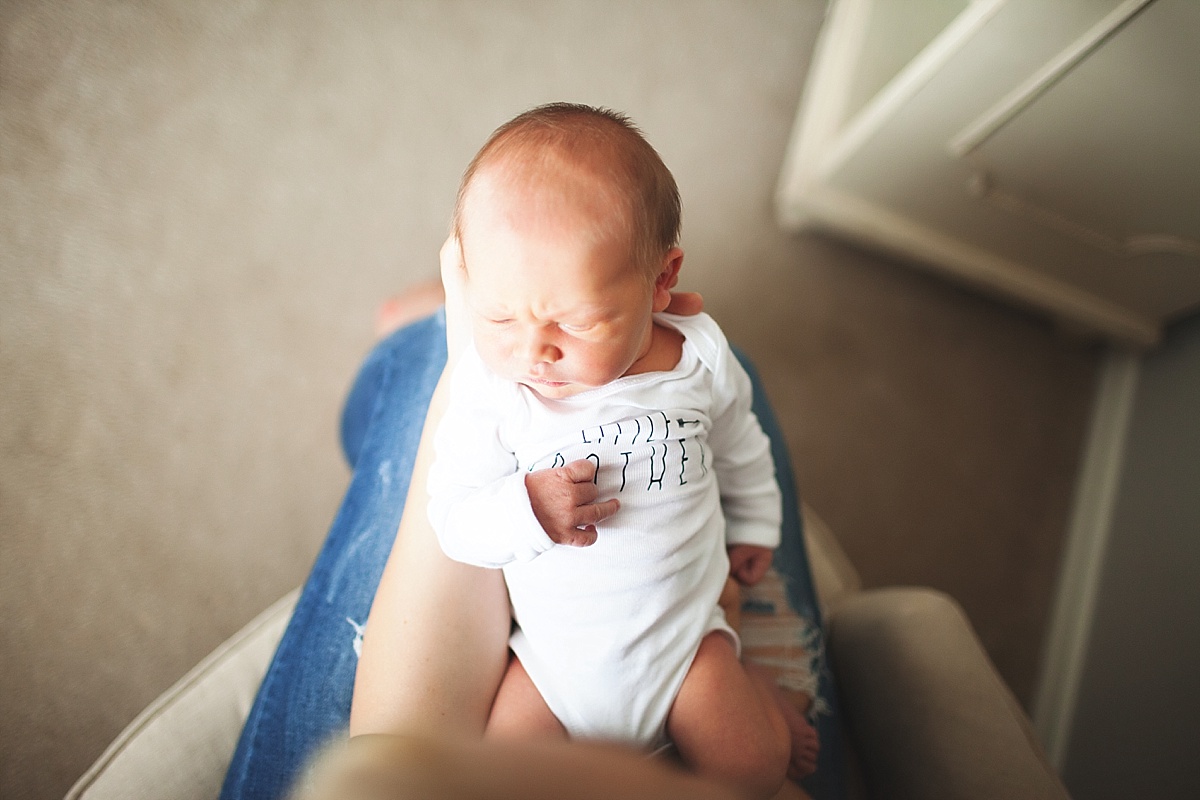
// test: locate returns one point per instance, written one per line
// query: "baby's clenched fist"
(564, 502)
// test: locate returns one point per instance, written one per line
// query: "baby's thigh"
(724, 722)
(519, 711)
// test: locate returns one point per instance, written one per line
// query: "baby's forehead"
(550, 185)
(554, 170)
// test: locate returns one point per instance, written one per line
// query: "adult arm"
(436, 640)
(467, 769)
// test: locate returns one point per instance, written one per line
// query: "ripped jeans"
(304, 699)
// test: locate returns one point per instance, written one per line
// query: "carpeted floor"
(201, 205)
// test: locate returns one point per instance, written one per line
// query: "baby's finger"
(581, 537)
(580, 471)
(590, 514)
(584, 493)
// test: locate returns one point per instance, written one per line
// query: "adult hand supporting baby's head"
(685, 304)
(454, 283)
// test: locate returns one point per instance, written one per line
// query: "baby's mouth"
(545, 382)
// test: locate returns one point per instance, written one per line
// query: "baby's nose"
(540, 349)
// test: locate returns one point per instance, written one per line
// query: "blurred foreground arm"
(401, 767)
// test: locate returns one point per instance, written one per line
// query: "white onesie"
(608, 632)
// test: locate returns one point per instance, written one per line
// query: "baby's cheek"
(600, 373)
(606, 364)
(492, 353)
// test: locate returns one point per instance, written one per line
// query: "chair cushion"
(929, 712)
(179, 747)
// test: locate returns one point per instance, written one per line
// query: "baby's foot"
(414, 303)
(775, 646)
(805, 744)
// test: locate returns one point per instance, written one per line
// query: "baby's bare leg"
(805, 744)
(519, 711)
(792, 705)
(726, 725)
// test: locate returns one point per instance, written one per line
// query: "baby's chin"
(553, 390)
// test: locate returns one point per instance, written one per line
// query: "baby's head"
(568, 222)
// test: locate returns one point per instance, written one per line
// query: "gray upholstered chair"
(926, 714)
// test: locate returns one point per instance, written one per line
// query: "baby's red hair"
(610, 148)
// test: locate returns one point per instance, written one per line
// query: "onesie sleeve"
(750, 496)
(478, 504)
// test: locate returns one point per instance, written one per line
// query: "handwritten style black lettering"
(663, 472)
(652, 432)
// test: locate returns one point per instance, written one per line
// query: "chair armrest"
(926, 710)
(833, 575)
(180, 746)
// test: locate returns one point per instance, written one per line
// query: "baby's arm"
(750, 496)
(479, 509)
(564, 500)
(485, 510)
(478, 505)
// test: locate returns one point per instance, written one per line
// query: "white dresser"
(1047, 151)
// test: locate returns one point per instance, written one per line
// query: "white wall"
(1136, 724)
(896, 31)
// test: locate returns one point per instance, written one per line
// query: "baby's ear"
(668, 276)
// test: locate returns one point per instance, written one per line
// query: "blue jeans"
(304, 699)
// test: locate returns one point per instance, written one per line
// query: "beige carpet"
(201, 204)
